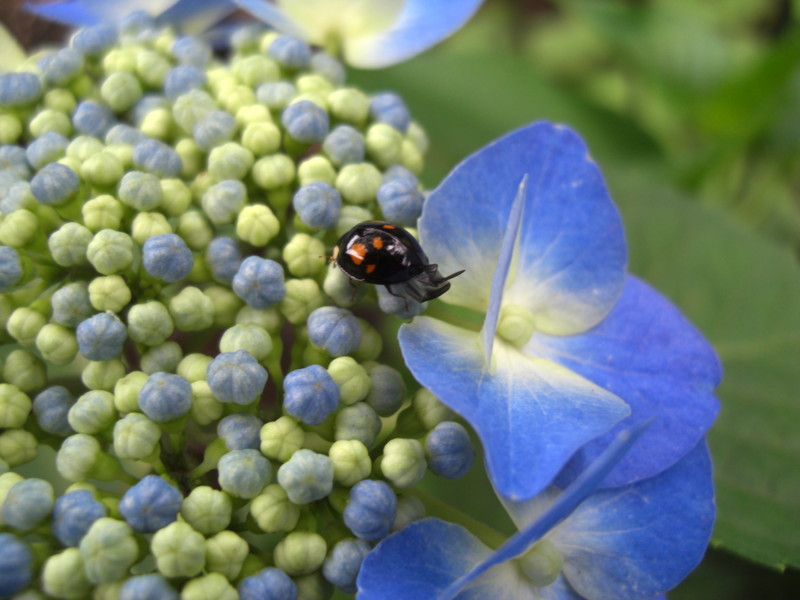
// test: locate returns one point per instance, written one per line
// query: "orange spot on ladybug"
(377, 242)
(370, 268)
(387, 226)
(357, 252)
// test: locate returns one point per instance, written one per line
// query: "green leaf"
(11, 54)
(743, 292)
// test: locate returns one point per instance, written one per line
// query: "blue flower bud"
(190, 50)
(165, 397)
(124, 134)
(389, 108)
(399, 172)
(91, 118)
(400, 201)
(46, 149)
(387, 391)
(223, 201)
(328, 67)
(16, 566)
(17, 196)
(157, 158)
(236, 377)
(71, 304)
(14, 159)
(62, 66)
(224, 258)
(94, 40)
(136, 22)
(28, 503)
(358, 422)
(54, 184)
(305, 121)
(275, 95)
(335, 330)
(409, 510)
(405, 308)
(371, 510)
(240, 431)
(344, 145)
(101, 337)
(73, 515)
(290, 52)
(150, 504)
(306, 476)
(167, 257)
(183, 79)
(318, 204)
(10, 268)
(213, 129)
(267, 584)
(449, 449)
(310, 394)
(51, 408)
(344, 562)
(141, 191)
(244, 473)
(147, 587)
(19, 89)
(259, 282)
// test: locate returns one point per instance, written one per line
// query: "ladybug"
(384, 254)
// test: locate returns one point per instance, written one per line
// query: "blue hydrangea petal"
(570, 263)
(196, 16)
(92, 12)
(420, 25)
(530, 414)
(647, 353)
(272, 15)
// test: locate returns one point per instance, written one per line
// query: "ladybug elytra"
(381, 253)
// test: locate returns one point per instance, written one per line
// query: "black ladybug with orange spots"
(384, 254)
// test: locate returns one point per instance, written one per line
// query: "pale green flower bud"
(225, 554)
(235, 97)
(60, 99)
(341, 288)
(353, 380)
(256, 69)
(281, 438)
(316, 168)
(266, 318)
(120, 91)
(110, 251)
(83, 147)
(179, 550)
(351, 462)
(273, 171)
(358, 422)
(24, 325)
(313, 84)
(429, 409)
(191, 310)
(302, 297)
(254, 113)
(17, 447)
(10, 129)
(261, 138)
(256, 340)
(193, 159)
(18, 228)
(371, 343)
(213, 586)
(126, 391)
(516, 324)
(409, 509)
(152, 68)
(108, 550)
(403, 462)
(359, 182)
(102, 375)
(205, 407)
(411, 158)
(103, 170)
(7, 481)
(15, 406)
(158, 124)
(207, 510)
(120, 60)
(109, 293)
(313, 586)
(57, 344)
(136, 437)
(300, 552)
(193, 367)
(384, 144)
(273, 511)
(80, 456)
(73, 163)
(103, 212)
(177, 197)
(226, 305)
(164, 357)
(350, 105)
(149, 323)
(304, 255)
(69, 244)
(230, 161)
(149, 224)
(541, 564)
(257, 225)
(24, 370)
(64, 576)
(49, 120)
(417, 136)
(195, 229)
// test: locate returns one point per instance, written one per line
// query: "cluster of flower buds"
(172, 330)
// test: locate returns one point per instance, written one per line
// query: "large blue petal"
(531, 415)
(570, 264)
(196, 16)
(274, 16)
(420, 25)
(92, 12)
(648, 354)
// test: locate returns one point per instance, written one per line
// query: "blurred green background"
(692, 110)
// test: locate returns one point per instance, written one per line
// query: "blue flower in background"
(624, 543)
(571, 349)
(369, 34)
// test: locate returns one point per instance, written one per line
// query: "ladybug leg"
(355, 290)
(405, 300)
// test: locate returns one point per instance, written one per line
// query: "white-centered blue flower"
(626, 543)
(370, 33)
(571, 347)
